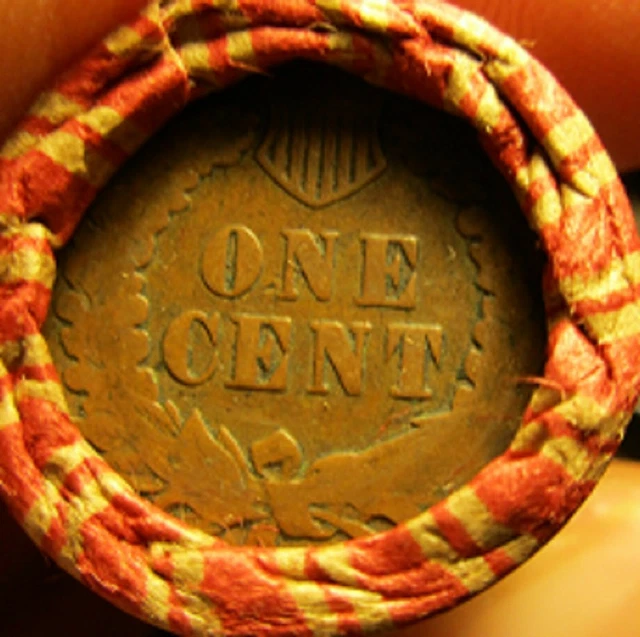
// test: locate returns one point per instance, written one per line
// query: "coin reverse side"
(302, 314)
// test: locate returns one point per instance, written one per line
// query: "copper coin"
(303, 313)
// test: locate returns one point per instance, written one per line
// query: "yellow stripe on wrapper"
(425, 532)
(71, 152)
(369, 609)
(157, 602)
(28, 265)
(374, 15)
(460, 79)
(42, 513)
(569, 136)
(474, 573)
(18, 145)
(309, 596)
(48, 391)
(193, 52)
(81, 508)
(35, 351)
(342, 43)
(580, 462)
(474, 33)
(330, 8)
(547, 208)
(240, 48)
(598, 173)
(490, 110)
(617, 277)
(188, 574)
(521, 548)
(291, 563)
(66, 460)
(123, 41)
(478, 520)
(56, 108)
(9, 415)
(334, 561)
(311, 600)
(95, 497)
(586, 414)
(616, 325)
(52, 106)
(188, 565)
(108, 123)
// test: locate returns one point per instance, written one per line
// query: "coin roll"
(335, 353)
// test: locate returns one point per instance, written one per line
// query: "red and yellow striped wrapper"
(80, 512)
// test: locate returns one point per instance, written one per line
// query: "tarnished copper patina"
(302, 314)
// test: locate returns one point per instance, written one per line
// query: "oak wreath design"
(96, 115)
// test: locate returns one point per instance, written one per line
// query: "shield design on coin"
(321, 151)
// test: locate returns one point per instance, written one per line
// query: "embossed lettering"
(314, 261)
(261, 353)
(415, 344)
(389, 271)
(343, 347)
(232, 261)
(182, 356)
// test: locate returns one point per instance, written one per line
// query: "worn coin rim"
(90, 521)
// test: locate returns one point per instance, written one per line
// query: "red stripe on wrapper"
(454, 531)
(33, 297)
(273, 47)
(115, 570)
(500, 562)
(45, 429)
(300, 14)
(149, 110)
(531, 495)
(244, 596)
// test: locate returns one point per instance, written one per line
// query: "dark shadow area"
(630, 447)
